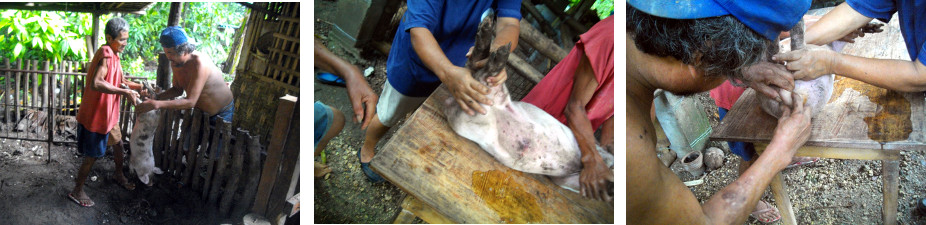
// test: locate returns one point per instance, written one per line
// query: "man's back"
(215, 93)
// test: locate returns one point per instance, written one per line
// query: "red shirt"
(99, 112)
(726, 94)
(552, 93)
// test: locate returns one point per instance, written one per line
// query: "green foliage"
(43, 35)
(603, 8)
(206, 23)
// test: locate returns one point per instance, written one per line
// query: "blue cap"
(766, 17)
(173, 36)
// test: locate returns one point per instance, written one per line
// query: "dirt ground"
(830, 191)
(34, 192)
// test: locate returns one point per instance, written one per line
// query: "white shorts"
(393, 106)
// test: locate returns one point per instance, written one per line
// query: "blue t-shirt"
(453, 24)
(912, 15)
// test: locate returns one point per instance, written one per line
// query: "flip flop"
(372, 176)
(755, 214)
(801, 163)
(330, 79)
(78, 201)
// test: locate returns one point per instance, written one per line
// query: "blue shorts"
(91, 144)
(745, 150)
(226, 113)
(323, 117)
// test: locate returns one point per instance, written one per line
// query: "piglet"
(142, 157)
(517, 134)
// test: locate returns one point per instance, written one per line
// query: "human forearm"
(898, 75)
(577, 121)
(506, 31)
(182, 103)
(732, 204)
(836, 24)
(430, 52)
(170, 93)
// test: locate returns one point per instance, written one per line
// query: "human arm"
(362, 98)
(101, 85)
(192, 89)
(767, 78)
(468, 92)
(595, 174)
(837, 24)
(654, 191)
(506, 31)
(814, 61)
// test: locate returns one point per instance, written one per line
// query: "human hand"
(768, 77)
(130, 95)
(593, 180)
(869, 28)
(810, 62)
(362, 100)
(793, 128)
(468, 92)
(145, 106)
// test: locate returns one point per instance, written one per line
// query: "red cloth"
(726, 94)
(552, 93)
(99, 112)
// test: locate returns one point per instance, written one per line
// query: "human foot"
(81, 199)
(765, 213)
(122, 181)
(321, 169)
(366, 154)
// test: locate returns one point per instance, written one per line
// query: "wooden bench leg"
(890, 171)
(780, 192)
(412, 207)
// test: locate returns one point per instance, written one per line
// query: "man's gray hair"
(115, 27)
(185, 48)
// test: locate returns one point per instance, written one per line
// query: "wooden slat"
(195, 132)
(201, 163)
(212, 158)
(288, 177)
(253, 176)
(890, 171)
(780, 191)
(184, 138)
(237, 161)
(274, 155)
(35, 85)
(421, 210)
(222, 165)
(8, 76)
(172, 146)
(159, 138)
(431, 162)
(17, 87)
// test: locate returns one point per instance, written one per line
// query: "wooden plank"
(222, 165)
(8, 77)
(841, 153)
(50, 87)
(288, 177)
(237, 161)
(17, 88)
(890, 171)
(524, 68)
(212, 158)
(201, 162)
(195, 132)
(428, 160)
(174, 136)
(250, 188)
(271, 167)
(421, 210)
(159, 139)
(184, 139)
(35, 85)
(780, 192)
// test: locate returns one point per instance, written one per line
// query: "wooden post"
(159, 139)
(274, 154)
(184, 138)
(237, 161)
(285, 144)
(890, 171)
(524, 68)
(544, 24)
(94, 35)
(250, 188)
(203, 150)
(220, 166)
(559, 11)
(211, 161)
(35, 84)
(195, 131)
(17, 88)
(6, 93)
(50, 88)
(542, 43)
(174, 17)
(172, 143)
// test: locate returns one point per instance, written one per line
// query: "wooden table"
(453, 180)
(860, 121)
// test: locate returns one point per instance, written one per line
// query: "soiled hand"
(594, 178)
(793, 128)
(810, 62)
(468, 92)
(768, 77)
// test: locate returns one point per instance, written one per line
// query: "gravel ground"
(830, 191)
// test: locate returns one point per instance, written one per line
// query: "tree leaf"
(17, 50)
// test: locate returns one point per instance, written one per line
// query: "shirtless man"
(195, 74)
(691, 47)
